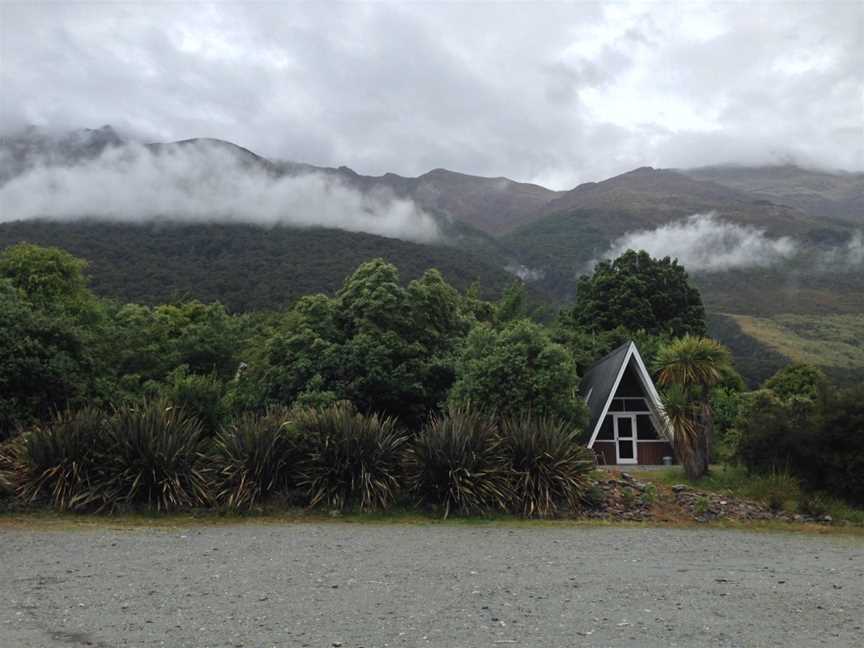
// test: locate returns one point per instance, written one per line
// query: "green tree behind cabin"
(639, 293)
(518, 369)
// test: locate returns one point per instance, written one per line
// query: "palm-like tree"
(689, 368)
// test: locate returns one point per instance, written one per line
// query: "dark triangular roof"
(599, 381)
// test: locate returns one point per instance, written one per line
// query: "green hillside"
(244, 266)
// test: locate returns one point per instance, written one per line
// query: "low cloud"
(203, 183)
(847, 257)
(704, 243)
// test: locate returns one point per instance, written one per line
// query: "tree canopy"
(639, 293)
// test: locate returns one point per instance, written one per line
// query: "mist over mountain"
(195, 181)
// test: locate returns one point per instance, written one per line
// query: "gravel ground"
(352, 585)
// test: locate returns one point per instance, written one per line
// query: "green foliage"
(725, 404)
(639, 293)
(517, 369)
(384, 347)
(701, 505)
(252, 458)
(594, 497)
(649, 495)
(457, 462)
(45, 364)
(246, 267)
(549, 464)
(60, 461)
(154, 459)
(350, 458)
(513, 304)
(48, 276)
(587, 346)
(148, 344)
(772, 432)
(689, 368)
(799, 381)
(197, 395)
(821, 442)
(836, 462)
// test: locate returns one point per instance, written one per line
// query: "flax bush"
(60, 461)
(154, 459)
(252, 458)
(457, 463)
(549, 465)
(350, 458)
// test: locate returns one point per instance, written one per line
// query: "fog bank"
(705, 243)
(203, 182)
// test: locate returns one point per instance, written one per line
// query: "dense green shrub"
(549, 464)
(773, 434)
(61, 461)
(457, 462)
(515, 369)
(798, 381)
(153, 458)
(349, 458)
(836, 460)
(820, 441)
(253, 458)
(198, 395)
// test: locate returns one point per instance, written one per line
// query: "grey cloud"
(202, 183)
(547, 92)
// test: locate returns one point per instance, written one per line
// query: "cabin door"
(625, 438)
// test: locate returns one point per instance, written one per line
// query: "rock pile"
(620, 496)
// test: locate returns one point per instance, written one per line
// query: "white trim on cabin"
(617, 418)
(647, 384)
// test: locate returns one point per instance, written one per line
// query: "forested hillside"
(245, 267)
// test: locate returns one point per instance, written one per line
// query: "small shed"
(627, 425)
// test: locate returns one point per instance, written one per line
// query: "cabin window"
(628, 404)
(605, 433)
(635, 405)
(646, 428)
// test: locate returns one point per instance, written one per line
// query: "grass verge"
(61, 522)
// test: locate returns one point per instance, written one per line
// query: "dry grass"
(822, 340)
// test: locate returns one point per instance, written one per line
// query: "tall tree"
(640, 294)
(689, 368)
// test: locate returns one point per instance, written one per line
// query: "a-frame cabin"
(627, 425)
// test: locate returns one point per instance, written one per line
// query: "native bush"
(60, 461)
(349, 457)
(549, 466)
(252, 458)
(457, 462)
(153, 458)
(773, 434)
(198, 395)
(835, 461)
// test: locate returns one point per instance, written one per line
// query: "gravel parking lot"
(352, 585)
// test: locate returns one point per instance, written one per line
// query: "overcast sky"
(553, 93)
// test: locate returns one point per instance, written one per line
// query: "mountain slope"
(837, 195)
(491, 205)
(581, 225)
